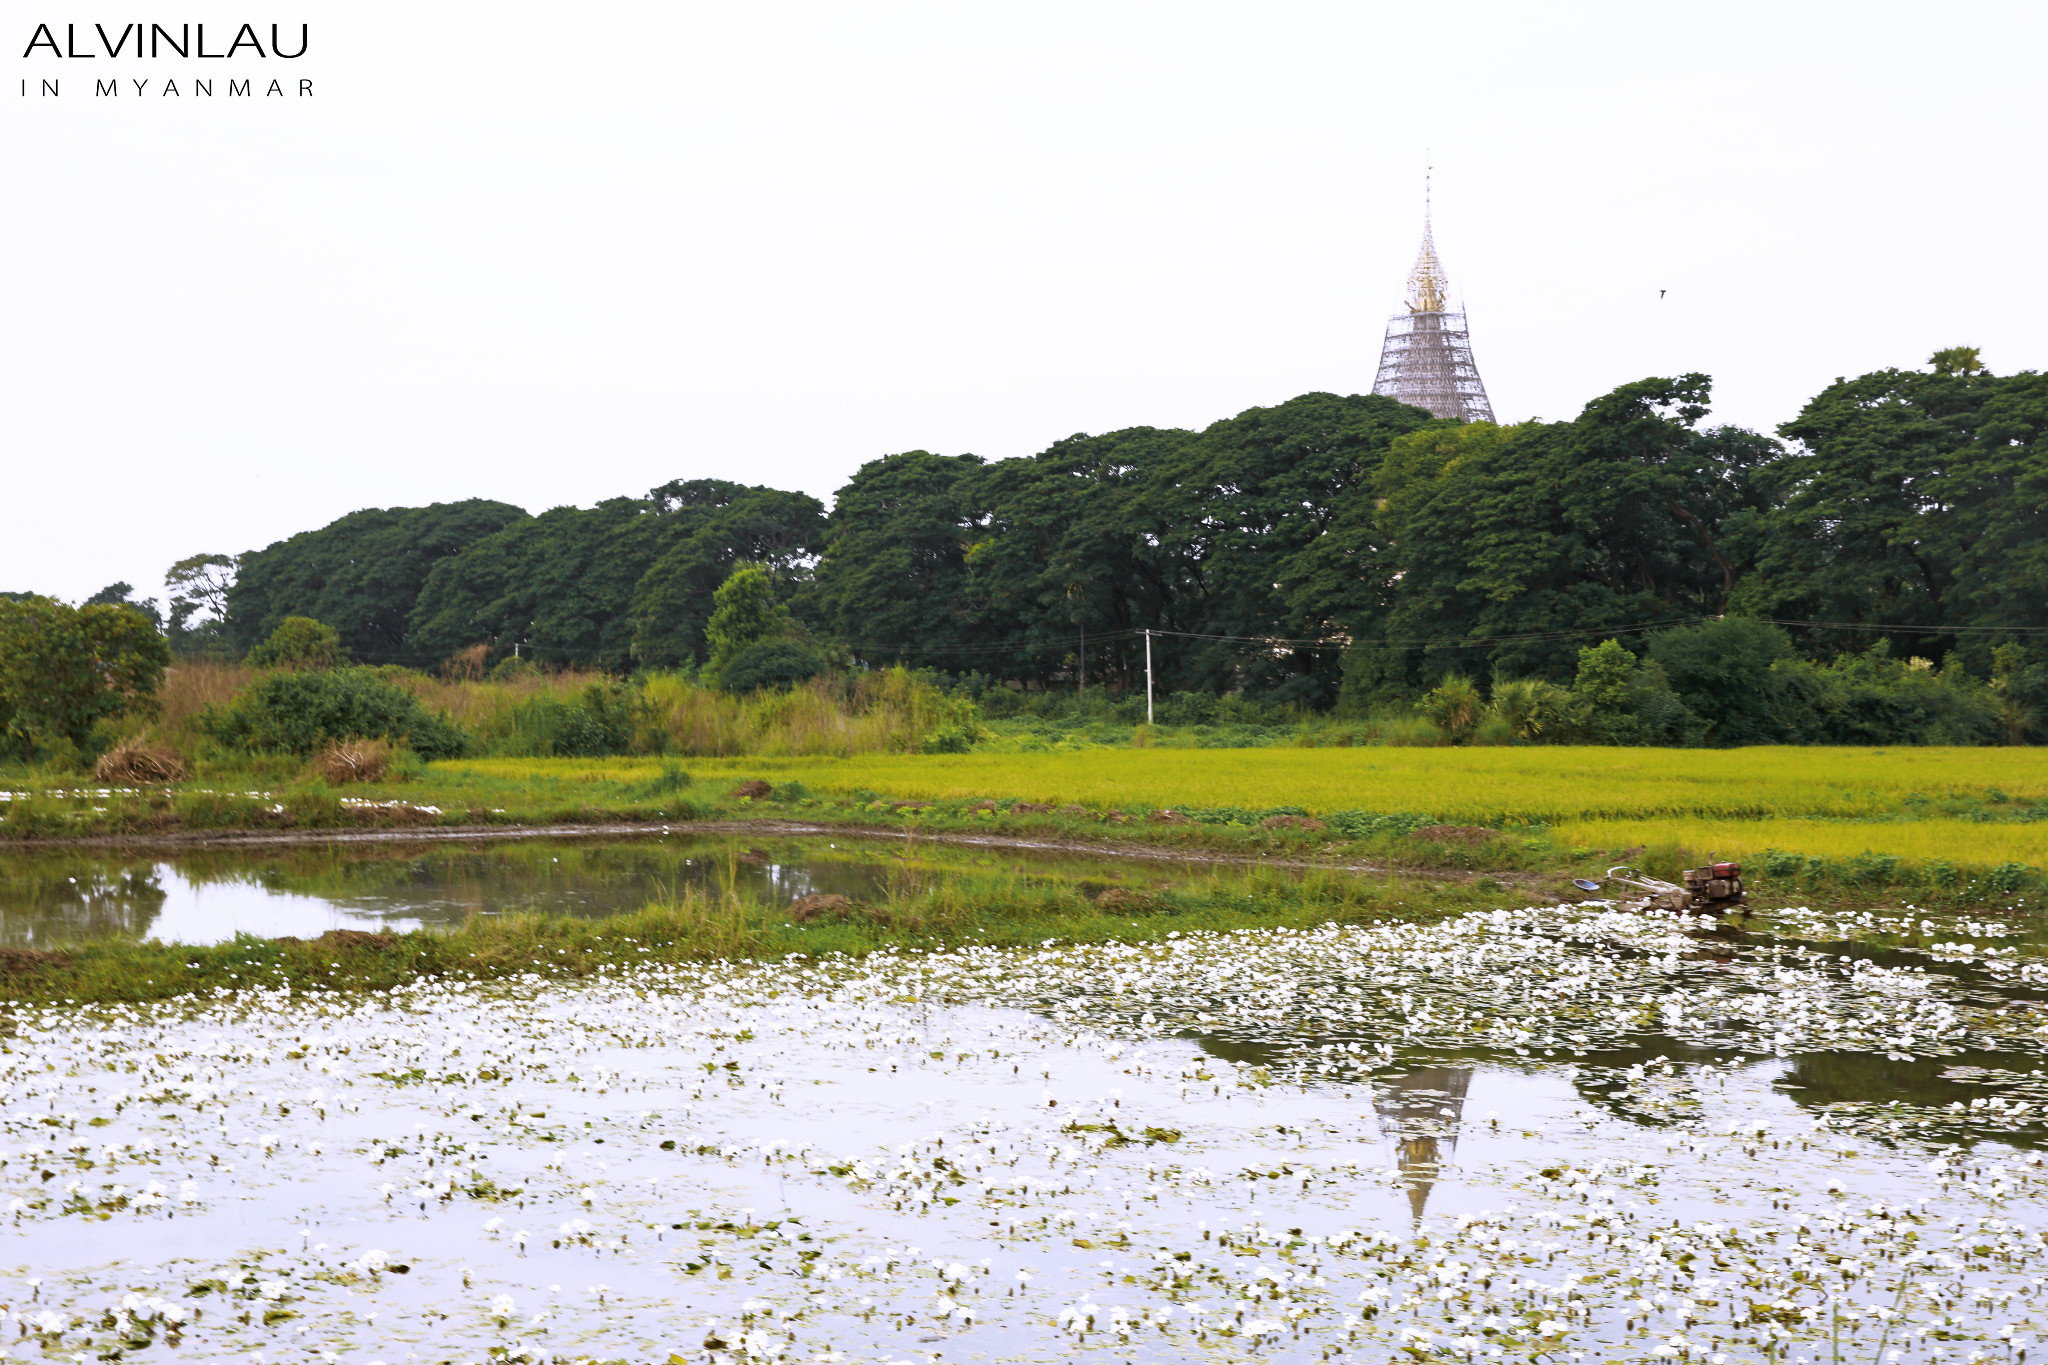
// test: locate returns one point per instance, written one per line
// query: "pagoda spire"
(1426, 359)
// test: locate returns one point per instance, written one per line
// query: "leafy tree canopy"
(893, 580)
(362, 574)
(123, 595)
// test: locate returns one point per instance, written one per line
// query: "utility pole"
(1084, 660)
(1148, 677)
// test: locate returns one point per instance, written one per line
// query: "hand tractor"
(1711, 890)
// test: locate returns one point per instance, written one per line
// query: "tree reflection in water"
(65, 901)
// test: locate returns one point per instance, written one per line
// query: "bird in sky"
(1660, 293)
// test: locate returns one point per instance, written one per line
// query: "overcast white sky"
(552, 254)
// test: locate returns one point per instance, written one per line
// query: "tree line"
(1330, 551)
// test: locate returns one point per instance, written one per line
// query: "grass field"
(1491, 786)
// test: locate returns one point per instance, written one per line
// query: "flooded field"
(1561, 1134)
(54, 899)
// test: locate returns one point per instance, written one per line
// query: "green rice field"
(1548, 785)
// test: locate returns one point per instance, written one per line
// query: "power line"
(557, 654)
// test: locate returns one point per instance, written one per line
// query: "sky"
(554, 254)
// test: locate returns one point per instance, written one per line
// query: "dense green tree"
(1859, 534)
(1067, 547)
(559, 585)
(1997, 493)
(1914, 503)
(627, 581)
(362, 574)
(1503, 548)
(1236, 511)
(893, 581)
(782, 532)
(64, 669)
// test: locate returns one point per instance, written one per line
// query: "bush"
(1454, 707)
(770, 663)
(1532, 709)
(220, 810)
(951, 739)
(301, 713)
(1724, 671)
(1621, 700)
(65, 669)
(300, 642)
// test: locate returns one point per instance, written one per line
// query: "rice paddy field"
(1547, 784)
(1976, 808)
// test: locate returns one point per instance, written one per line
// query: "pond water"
(49, 900)
(1558, 1134)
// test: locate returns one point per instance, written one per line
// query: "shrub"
(1531, 708)
(952, 739)
(301, 713)
(1725, 672)
(1363, 824)
(770, 663)
(300, 642)
(64, 669)
(1411, 732)
(313, 808)
(1493, 730)
(1622, 700)
(1454, 707)
(33, 817)
(1875, 869)
(2007, 878)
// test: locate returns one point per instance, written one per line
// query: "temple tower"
(1426, 359)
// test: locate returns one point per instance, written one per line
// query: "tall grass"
(189, 690)
(489, 709)
(889, 712)
(526, 715)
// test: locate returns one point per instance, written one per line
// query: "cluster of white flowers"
(1221, 1143)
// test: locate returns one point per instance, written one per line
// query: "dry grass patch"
(354, 760)
(137, 762)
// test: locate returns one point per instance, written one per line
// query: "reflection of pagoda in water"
(1420, 1112)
